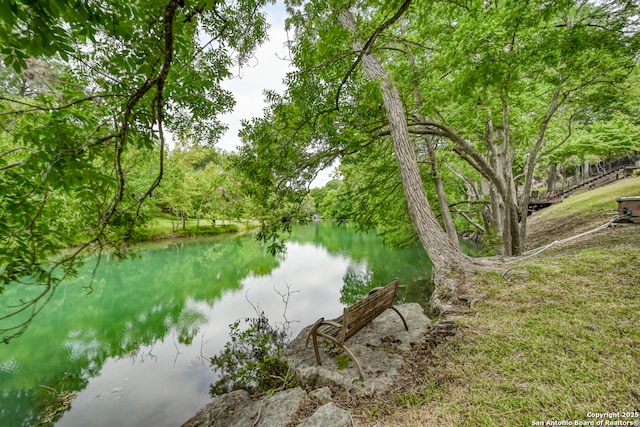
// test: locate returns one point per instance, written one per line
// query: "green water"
(136, 348)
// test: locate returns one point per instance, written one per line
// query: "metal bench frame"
(353, 319)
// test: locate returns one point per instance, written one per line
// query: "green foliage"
(323, 198)
(342, 361)
(602, 140)
(87, 92)
(37, 29)
(203, 183)
(495, 85)
(253, 360)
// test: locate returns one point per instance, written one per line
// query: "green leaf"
(7, 14)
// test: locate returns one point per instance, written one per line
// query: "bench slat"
(360, 314)
(355, 318)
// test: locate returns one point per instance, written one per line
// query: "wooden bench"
(355, 318)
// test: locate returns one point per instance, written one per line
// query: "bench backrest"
(361, 313)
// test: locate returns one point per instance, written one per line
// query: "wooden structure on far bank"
(600, 175)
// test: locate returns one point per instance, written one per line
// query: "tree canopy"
(495, 87)
(442, 115)
(89, 91)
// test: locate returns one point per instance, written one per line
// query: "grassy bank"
(168, 228)
(556, 342)
(579, 213)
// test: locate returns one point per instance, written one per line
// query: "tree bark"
(443, 254)
(533, 160)
(443, 202)
(585, 169)
(551, 180)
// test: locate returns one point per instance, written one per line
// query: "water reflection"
(371, 263)
(137, 348)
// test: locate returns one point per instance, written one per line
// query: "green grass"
(559, 344)
(552, 345)
(578, 213)
(555, 342)
(164, 227)
(600, 199)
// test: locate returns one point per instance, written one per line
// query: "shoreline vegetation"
(165, 227)
(555, 342)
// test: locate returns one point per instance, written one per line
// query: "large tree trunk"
(443, 202)
(442, 252)
(586, 169)
(503, 197)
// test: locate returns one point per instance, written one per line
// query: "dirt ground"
(544, 229)
(578, 213)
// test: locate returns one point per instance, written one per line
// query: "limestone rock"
(323, 394)
(236, 409)
(328, 415)
(232, 409)
(378, 347)
(278, 409)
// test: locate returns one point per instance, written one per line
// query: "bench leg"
(315, 349)
(314, 339)
(313, 333)
(406, 328)
(355, 360)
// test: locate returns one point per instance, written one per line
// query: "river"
(135, 350)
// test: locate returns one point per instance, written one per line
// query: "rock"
(330, 376)
(236, 409)
(328, 415)
(278, 409)
(306, 374)
(232, 409)
(378, 347)
(323, 394)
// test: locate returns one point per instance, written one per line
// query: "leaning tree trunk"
(443, 254)
(445, 212)
(531, 164)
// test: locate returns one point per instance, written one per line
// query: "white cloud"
(265, 71)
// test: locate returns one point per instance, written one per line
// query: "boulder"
(380, 347)
(236, 409)
(278, 410)
(231, 409)
(328, 415)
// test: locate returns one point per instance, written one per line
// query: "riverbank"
(161, 228)
(559, 342)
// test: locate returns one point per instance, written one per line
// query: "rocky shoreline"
(382, 347)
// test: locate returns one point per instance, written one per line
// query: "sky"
(265, 71)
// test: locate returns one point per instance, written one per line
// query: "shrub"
(253, 359)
